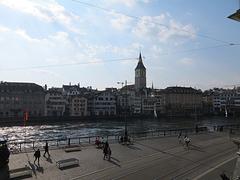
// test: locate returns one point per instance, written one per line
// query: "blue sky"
(36, 35)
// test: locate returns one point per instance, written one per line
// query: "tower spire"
(140, 56)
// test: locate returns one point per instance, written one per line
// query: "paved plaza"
(161, 158)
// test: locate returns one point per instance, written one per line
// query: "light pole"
(126, 105)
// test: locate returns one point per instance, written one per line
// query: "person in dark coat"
(105, 150)
(46, 150)
(37, 156)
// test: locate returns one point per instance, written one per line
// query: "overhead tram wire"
(118, 60)
(69, 64)
(160, 24)
(199, 49)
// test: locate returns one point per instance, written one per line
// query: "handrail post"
(79, 141)
(20, 147)
(33, 144)
(164, 133)
(68, 141)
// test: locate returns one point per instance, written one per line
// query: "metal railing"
(28, 145)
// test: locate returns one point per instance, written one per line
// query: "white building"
(104, 103)
(226, 100)
(54, 102)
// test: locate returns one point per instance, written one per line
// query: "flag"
(26, 116)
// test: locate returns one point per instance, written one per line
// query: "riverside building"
(16, 98)
(55, 102)
(182, 101)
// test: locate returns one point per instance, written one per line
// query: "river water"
(105, 127)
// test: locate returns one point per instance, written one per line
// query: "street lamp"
(235, 16)
(126, 105)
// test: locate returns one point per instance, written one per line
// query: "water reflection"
(76, 129)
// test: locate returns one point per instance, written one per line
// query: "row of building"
(73, 100)
(136, 99)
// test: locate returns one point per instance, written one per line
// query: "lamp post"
(126, 105)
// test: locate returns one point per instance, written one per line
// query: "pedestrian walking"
(46, 150)
(37, 156)
(187, 141)
(196, 129)
(105, 150)
(179, 137)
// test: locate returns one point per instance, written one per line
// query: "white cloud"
(162, 28)
(120, 21)
(186, 61)
(3, 29)
(59, 48)
(47, 11)
(25, 36)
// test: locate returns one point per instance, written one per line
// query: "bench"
(20, 172)
(237, 142)
(67, 162)
(73, 149)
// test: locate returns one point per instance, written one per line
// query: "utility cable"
(118, 60)
(69, 64)
(160, 24)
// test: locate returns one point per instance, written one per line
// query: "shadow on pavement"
(115, 159)
(196, 148)
(32, 166)
(133, 147)
(113, 162)
(40, 169)
(49, 160)
(68, 167)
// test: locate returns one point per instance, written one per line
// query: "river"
(105, 127)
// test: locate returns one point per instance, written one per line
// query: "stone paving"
(155, 158)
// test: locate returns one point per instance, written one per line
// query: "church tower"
(140, 75)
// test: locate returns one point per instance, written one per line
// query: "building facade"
(78, 106)
(182, 101)
(55, 103)
(226, 101)
(18, 98)
(104, 104)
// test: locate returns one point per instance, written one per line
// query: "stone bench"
(67, 162)
(237, 142)
(20, 172)
(72, 149)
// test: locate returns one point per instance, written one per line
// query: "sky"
(96, 43)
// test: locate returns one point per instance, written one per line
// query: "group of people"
(186, 140)
(37, 153)
(125, 139)
(101, 143)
